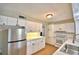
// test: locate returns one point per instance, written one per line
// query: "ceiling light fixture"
(48, 16)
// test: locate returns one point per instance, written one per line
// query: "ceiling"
(37, 11)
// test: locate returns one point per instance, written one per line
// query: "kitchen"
(39, 29)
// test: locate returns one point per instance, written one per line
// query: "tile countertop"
(33, 38)
(58, 52)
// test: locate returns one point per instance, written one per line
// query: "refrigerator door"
(12, 50)
(17, 48)
(21, 47)
(16, 34)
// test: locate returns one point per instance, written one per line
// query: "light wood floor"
(48, 50)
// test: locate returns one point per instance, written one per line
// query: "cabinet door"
(12, 21)
(36, 47)
(33, 46)
(29, 49)
(3, 20)
(41, 43)
(21, 22)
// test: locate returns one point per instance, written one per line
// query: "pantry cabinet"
(3, 20)
(35, 45)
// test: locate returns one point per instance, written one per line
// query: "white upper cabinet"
(12, 21)
(3, 20)
(33, 26)
(21, 22)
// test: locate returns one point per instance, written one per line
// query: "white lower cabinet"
(41, 43)
(28, 49)
(35, 45)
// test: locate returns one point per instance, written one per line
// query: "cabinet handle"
(3, 23)
(33, 44)
(41, 41)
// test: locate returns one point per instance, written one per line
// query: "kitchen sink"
(70, 49)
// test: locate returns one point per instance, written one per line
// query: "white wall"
(68, 27)
(0, 40)
(4, 41)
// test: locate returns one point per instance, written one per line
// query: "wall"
(4, 41)
(68, 27)
(0, 40)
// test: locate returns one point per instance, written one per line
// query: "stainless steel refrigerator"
(16, 41)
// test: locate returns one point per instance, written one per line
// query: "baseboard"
(51, 45)
(37, 51)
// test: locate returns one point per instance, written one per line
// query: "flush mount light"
(49, 16)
